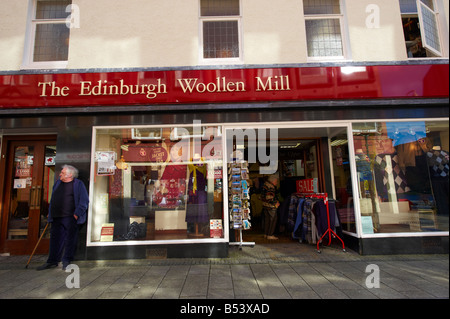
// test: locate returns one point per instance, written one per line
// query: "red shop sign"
(231, 85)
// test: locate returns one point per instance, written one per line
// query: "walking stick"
(42, 235)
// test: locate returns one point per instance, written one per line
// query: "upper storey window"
(324, 29)
(48, 34)
(220, 24)
(421, 28)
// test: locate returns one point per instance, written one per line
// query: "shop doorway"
(27, 173)
(317, 154)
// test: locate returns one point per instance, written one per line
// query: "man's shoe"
(46, 266)
(64, 265)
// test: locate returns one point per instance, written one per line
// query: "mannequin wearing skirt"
(197, 203)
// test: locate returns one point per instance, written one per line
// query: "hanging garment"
(314, 233)
(320, 212)
(297, 231)
(387, 168)
(306, 221)
(438, 162)
(292, 213)
(334, 218)
(197, 204)
(197, 177)
(283, 212)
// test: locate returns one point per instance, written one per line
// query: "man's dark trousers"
(63, 239)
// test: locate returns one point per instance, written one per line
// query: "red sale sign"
(307, 185)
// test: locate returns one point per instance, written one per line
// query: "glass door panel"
(22, 194)
(342, 182)
(47, 186)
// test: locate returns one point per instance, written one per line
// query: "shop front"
(174, 160)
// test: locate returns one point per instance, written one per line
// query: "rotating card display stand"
(239, 200)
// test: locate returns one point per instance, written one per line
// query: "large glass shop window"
(157, 184)
(403, 171)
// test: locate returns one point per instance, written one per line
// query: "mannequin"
(386, 167)
(438, 163)
(269, 197)
(197, 203)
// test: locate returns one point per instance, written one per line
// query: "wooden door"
(28, 174)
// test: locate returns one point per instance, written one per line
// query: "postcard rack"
(239, 200)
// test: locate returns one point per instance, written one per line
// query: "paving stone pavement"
(275, 271)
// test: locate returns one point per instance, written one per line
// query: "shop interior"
(303, 156)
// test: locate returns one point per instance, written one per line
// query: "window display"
(157, 184)
(402, 172)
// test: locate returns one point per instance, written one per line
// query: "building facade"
(175, 113)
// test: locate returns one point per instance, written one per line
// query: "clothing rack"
(323, 196)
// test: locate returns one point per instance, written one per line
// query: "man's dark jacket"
(81, 198)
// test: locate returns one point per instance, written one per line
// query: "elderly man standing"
(67, 211)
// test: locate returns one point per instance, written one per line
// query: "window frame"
(420, 7)
(30, 38)
(202, 19)
(356, 187)
(135, 242)
(343, 29)
(419, 15)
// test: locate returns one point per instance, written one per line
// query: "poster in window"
(20, 183)
(216, 229)
(107, 232)
(106, 163)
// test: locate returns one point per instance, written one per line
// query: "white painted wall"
(151, 33)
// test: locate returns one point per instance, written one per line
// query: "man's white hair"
(72, 170)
